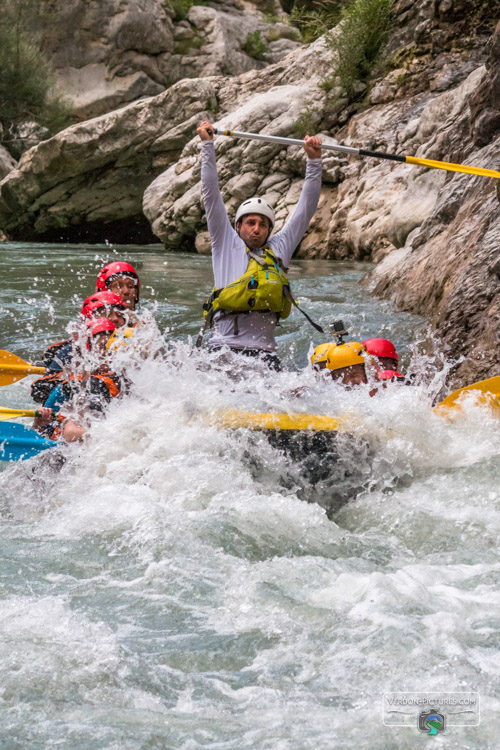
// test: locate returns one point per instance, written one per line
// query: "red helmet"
(381, 348)
(100, 299)
(117, 268)
(99, 326)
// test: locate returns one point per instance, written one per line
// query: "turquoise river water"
(177, 585)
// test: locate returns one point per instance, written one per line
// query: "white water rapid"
(180, 586)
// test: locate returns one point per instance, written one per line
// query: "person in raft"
(87, 393)
(116, 296)
(251, 290)
(347, 362)
(121, 278)
(382, 353)
(59, 357)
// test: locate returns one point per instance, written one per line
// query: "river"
(171, 587)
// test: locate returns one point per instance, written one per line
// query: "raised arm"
(219, 226)
(287, 239)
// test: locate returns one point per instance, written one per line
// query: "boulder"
(212, 41)
(87, 182)
(106, 54)
(113, 52)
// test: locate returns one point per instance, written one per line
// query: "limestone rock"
(212, 41)
(113, 52)
(202, 243)
(448, 271)
(92, 91)
(385, 91)
(380, 203)
(106, 54)
(86, 183)
(449, 268)
(7, 162)
(485, 102)
(25, 135)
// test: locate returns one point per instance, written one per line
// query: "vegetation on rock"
(354, 30)
(306, 122)
(255, 46)
(363, 31)
(25, 74)
(315, 18)
(183, 46)
(181, 8)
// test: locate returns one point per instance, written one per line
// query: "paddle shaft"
(432, 163)
(24, 370)
(6, 413)
(284, 141)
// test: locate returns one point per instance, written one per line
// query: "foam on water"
(172, 587)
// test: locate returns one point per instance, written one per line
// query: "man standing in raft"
(251, 290)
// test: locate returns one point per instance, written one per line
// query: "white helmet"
(255, 206)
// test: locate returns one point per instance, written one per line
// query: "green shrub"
(181, 7)
(254, 46)
(213, 106)
(357, 42)
(183, 46)
(25, 74)
(315, 18)
(283, 31)
(327, 84)
(306, 122)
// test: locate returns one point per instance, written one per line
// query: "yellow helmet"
(337, 356)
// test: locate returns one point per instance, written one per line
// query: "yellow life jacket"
(119, 338)
(264, 287)
(261, 288)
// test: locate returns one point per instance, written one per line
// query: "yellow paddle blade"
(13, 368)
(257, 421)
(488, 394)
(450, 167)
(6, 413)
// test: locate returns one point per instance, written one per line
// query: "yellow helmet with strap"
(333, 356)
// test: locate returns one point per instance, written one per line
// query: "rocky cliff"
(449, 266)
(113, 52)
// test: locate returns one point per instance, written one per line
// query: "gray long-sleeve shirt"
(230, 259)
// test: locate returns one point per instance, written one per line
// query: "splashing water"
(170, 588)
